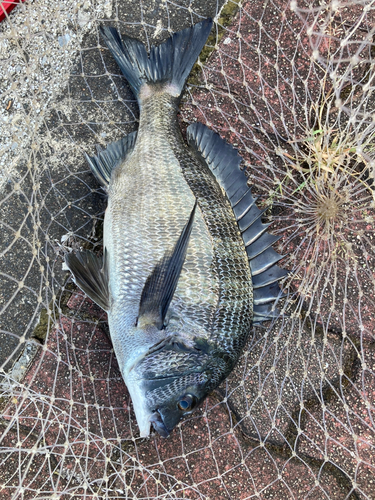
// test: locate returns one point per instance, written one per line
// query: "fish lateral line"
(161, 284)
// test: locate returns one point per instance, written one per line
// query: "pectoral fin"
(91, 275)
(162, 282)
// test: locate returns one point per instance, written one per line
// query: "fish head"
(173, 398)
(168, 384)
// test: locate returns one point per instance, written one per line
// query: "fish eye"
(187, 402)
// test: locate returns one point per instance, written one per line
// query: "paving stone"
(75, 393)
(343, 431)
(281, 370)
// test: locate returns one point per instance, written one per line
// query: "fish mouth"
(158, 424)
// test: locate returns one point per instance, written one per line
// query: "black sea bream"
(187, 265)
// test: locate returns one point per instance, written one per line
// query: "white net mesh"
(291, 85)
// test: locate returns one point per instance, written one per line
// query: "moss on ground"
(227, 15)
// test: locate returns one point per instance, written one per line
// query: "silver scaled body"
(151, 195)
(188, 265)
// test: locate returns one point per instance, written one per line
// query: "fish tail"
(169, 63)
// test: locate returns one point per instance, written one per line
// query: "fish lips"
(160, 416)
(164, 420)
(158, 424)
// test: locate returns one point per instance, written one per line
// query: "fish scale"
(153, 202)
(234, 308)
(184, 243)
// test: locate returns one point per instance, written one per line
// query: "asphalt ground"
(46, 189)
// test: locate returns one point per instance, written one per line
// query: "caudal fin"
(169, 63)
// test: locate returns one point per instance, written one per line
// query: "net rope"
(291, 85)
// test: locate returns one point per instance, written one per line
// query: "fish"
(188, 265)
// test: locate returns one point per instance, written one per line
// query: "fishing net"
(291, 85)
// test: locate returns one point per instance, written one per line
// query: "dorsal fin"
(162, 282)
(224, 162)
(107, 159)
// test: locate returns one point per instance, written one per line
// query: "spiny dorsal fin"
(108, 159)
(162, 282)
(224, 162)
(90, 273)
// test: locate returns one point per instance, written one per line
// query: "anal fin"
(91, 275)
(108, 159)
